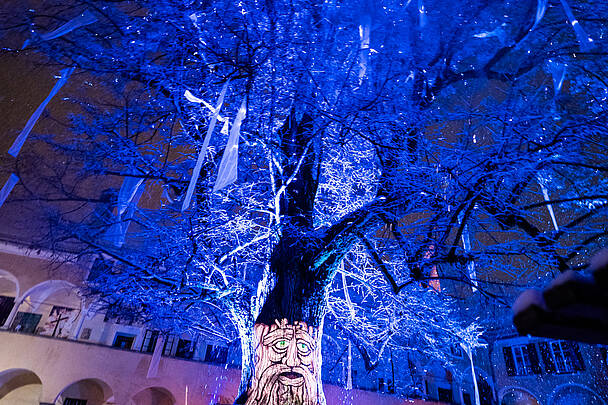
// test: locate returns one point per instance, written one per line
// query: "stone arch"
(572, 393)
(153, 396)
(517, 396)
(42, 291)
(50, 308)
(93, 390)
(20, 387)
(6, 277)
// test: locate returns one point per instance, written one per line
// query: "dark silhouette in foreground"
(571, 307)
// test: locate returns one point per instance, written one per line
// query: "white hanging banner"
(228, 166)
(126, 217)
(558, 73)
(225, 128)
(584, 40)
(543, 187)
(130, 192)
(155, 360)
(18, 144)
(8, 187)
(541, 8)
(127, 192)
(364, 36)
(421, 14)
(201, 155)
(466, 244)
(498, 32)
(83, 19)
(469, 353)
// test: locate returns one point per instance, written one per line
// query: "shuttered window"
(562, 357)
(521, 360)
(74, 401)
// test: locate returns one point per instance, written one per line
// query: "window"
(168, 347)
(150, 339)
(185, 349)
(445, 395)
(521, 360)
(74, 401)
(86, 334)
(123, 341)
(523, 365)
(26, 322)
(216, 354)
(6, 306)
(561, 356)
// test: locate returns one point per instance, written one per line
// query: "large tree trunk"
(282, 351)
(286, 341)
(287, 333)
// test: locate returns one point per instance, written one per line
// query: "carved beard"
(282, 385)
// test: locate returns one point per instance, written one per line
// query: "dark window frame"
(118, 335)
(521, 360)
(74, 401)
(149, 342)
(216, 354)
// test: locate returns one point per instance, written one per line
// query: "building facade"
(57, 347)
(551, 372)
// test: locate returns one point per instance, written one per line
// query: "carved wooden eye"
(281, 344)
(303, 347)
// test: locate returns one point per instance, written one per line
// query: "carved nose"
(292, 355)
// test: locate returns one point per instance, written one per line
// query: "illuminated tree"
(383, 150)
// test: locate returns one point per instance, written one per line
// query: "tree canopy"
(374, 161)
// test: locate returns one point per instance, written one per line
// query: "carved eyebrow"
(300, 334)
(278, 334)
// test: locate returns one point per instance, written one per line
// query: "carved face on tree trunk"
(288, 365)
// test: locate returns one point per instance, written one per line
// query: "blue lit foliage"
(378, 136)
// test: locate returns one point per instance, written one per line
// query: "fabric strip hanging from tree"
(22, 137)
(584, 40)
(364, 36)
(127, 192)
(130, 192)
(201, 155)
(542, 182)
(228, 166)
(83, 19)
(558, 73)
(466, 244)
(8, 186)
(541, 8)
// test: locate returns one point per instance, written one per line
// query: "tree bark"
(286, 343)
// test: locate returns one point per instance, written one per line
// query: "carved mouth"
(292, 375)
